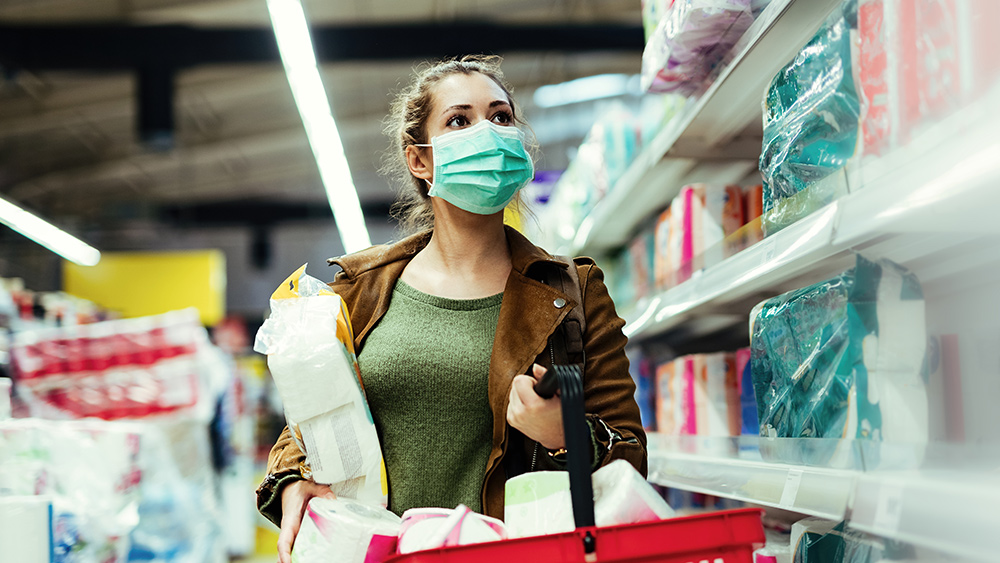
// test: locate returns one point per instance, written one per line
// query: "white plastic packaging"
(309, 345)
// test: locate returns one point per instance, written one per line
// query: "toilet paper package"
(310, 352)
(539, 503)
(844, 359)
(431, 528)
(345, 531)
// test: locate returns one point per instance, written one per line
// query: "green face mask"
(481, 168)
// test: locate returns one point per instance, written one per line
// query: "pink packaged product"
(114, 369)
(668, 389)
(664, 260)
(691, 38)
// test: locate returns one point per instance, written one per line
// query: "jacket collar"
(523, 253)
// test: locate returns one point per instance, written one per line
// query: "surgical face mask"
(480, 168)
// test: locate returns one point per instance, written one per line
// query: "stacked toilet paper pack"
(431, 528)
(345, 531)
(309, 345)
(539, 503)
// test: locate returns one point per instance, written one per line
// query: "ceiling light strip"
(299, 60)
(48, 235)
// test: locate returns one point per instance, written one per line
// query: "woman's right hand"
(294, 499)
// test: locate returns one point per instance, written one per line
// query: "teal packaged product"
(843, 360)
(811, 120)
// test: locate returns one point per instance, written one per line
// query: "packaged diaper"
(310, 352)
(843, 358)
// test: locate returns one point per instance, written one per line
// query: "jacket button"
(559, 303)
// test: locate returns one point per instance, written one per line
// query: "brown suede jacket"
(529, 314)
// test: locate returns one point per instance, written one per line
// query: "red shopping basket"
(721, 537)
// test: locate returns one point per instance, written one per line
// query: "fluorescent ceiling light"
(299, 59)
(48, 235)
(585, 90)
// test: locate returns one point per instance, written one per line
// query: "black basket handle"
(578, 446)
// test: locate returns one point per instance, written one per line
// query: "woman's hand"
(294, 499)
(537, 418)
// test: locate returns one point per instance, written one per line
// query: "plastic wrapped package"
(309, 345)
(131, 368)
(843, 358)
(345, 531)
(101, 477)
(811, 119)
(692, 37)
(815, 540)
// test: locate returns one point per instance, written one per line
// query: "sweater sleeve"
(609, 390)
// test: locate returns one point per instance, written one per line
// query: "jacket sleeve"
(609, 391)
(284, 465)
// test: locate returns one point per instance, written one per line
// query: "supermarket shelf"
(710, 466)
(948, 512)
(952, 511)
(707, 126)
(931, 198)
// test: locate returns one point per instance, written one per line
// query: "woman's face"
(463, 100)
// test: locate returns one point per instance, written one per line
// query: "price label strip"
(791, 490)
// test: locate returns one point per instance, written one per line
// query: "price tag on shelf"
(791, 490)
(889, 508)
(767, 251)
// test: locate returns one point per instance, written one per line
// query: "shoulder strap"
(568, 346)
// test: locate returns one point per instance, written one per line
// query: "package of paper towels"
(310, 352)
(345, 531)
(539, 503)
(430, 528)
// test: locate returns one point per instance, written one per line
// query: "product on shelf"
(844, 358)
(815, 540)
(698, 395)
(811, 119)
(644, 374)
(117, 490)
(310, 351)
(750, 231)
(692, 37)
(125, 368)
(641, 259)
(689, 234)
(749, 425)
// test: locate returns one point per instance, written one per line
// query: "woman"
(453, 323)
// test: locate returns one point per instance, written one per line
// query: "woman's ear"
(420, 162)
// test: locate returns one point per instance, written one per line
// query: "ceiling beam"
(116, 47)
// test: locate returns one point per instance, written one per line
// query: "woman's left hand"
(537, 418)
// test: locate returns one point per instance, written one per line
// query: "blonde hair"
(406, 125)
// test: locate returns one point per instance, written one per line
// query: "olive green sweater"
(426, 369)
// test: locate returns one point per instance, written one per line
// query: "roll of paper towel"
(623, 496)
(345, 531)
(26, 529)
(430, 528)
(540, 503)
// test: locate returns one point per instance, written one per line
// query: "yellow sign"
(149, 283)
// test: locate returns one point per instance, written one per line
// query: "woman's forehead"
(466, 89)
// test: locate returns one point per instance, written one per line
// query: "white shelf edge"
(812, 11)
(948, 511)
(955, 514)
(807, 490)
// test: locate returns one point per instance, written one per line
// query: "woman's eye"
(458, 121)
(503, 118)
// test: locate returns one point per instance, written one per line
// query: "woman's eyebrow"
(466, 107)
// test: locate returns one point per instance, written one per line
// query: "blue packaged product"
(811, 120)
(843, 359)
